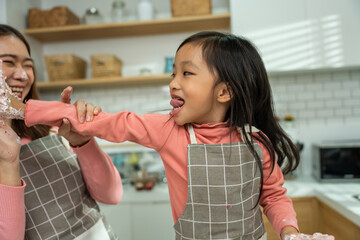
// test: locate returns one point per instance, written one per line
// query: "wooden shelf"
(105, 82)
(134, 28)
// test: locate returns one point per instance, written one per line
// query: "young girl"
(221, 145)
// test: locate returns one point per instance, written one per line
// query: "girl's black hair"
(235, 61)
(17, 125)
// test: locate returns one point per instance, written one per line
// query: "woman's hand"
(10, 145)
(10, 106)
(86, 112)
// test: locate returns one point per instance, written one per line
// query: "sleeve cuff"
(11, 199)
(91, 148)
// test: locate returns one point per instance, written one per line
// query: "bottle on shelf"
(117, 11)
(93, 16)
(145, 10)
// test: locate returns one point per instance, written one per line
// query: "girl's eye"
(187, 73)
(172, 75)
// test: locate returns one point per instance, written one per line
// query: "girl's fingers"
(66, 95)
(97, 110)
(81, 110)
(89, 112)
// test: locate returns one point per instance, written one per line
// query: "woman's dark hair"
(235, 61)
(19, 126)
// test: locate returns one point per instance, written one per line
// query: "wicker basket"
(105, 65)
(57, 16)
(190, 7)
(65, 67)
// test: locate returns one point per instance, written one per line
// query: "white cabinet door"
(300, 34)
(120, 219)
(140, 221)
(335, 34)
(153, 221)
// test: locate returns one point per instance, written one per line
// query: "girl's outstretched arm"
(146, 130)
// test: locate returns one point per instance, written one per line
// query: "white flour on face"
(6, 110)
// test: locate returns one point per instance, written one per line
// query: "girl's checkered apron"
(57, 203)
(223, 188)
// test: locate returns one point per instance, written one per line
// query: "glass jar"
(93, 16)
(117, 11)
(145, 10)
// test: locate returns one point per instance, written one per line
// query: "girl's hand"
(287, 231)
(315, 236)
(84, 111)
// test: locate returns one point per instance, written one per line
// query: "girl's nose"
(20, 74)
(174, 84)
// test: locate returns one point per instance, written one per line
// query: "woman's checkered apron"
(57, 203)
(223, 188)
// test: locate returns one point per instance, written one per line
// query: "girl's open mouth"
(177, 104)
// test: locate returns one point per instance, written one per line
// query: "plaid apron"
(57, 203)
(223, 188)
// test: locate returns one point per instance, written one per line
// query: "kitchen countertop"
(338, 196)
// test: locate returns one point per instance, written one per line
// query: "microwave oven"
(337, 161)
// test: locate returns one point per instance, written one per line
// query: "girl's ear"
(223, 92)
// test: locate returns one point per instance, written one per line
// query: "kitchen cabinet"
(152, 221)
(315, 216)
(139, 221)
(333, 223)
(300, 34)
(120, 219)
(306, 209)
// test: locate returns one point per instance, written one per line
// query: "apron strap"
(192, 134)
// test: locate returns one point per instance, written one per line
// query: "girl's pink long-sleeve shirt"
(160, 132)
(102, 181)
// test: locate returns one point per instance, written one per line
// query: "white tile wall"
(326, 107)
(324, 96)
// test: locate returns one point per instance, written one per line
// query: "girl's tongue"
(176, 102)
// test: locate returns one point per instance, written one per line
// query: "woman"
(41, 179)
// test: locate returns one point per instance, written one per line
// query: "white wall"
(3, 16)
(301, 33)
